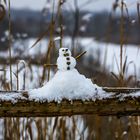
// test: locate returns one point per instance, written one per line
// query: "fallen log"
(120, 89)
(123, 104)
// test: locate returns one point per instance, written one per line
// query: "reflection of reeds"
(66, 128)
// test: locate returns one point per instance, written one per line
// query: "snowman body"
(65, 61)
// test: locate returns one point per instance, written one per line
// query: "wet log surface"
(117, 105)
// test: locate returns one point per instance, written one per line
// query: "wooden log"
(111, 106)
(120, 89)
(104, 107)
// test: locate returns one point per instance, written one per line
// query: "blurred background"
(31, 32)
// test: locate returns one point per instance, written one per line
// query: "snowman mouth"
(66, 54)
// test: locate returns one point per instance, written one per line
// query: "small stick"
(80, 55)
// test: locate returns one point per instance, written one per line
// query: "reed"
(9, 39)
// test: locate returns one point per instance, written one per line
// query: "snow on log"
(17, 104)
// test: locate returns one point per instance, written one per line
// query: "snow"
(6, 33)
(57, 38)
(83, 28)
(51, 92)
(11, 96)
(87, 17)
(133, 21)
(132, 95)
(69, 85)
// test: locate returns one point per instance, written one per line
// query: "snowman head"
(64, 52)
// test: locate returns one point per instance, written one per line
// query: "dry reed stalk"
(128, 21)
(60, 3)
(41, 37)
(2, 12)
(17, 77)
(109, 31)
(48, 60)
(122, 70)
(76, 25)
(51, 43)
(121, 38)
(138, 11)
(50, 46)
(9, 39)
(24, 74)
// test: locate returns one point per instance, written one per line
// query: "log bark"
(105, 107)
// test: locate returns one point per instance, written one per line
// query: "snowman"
(67, 83)
(65, 61)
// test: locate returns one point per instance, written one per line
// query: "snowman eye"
(63, 50)
(66, 50)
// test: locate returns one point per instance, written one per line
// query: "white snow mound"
(69, 85)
